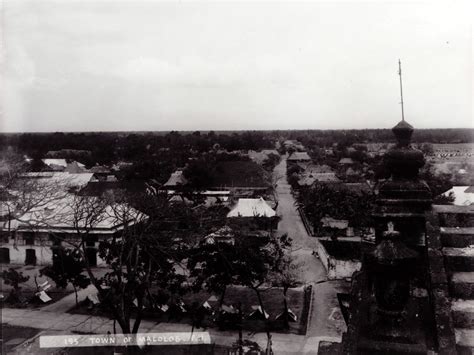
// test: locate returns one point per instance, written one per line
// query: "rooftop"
(299, 156)
(176, 179)
(252, 207)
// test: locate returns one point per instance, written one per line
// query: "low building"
(176, 180)
(319, 169)
(60, 181)
(55, 164)
(310, 179)
(346, 161)
(31, 238)
(251, 207)
(74, 167)
(261, 156)
(61, 164)
(55, 216)
(208, 197)
(223, 235)
(255, 213)
(293, 144)
(299, 157)
(102, 173)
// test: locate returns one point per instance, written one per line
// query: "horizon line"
(225, 130)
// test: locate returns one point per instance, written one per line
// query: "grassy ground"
(272, 300)
(28, 288)
(165, 350)
(11, 336)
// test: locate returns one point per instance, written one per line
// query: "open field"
(272, 300)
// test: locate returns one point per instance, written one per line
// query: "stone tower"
(385, 316)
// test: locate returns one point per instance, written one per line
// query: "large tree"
(336, 201)
(246, 262)
(67, 268)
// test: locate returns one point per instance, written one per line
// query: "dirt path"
(326, 321)
(291, 224)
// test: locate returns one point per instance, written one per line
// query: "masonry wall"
(18, 249)
(43, 255)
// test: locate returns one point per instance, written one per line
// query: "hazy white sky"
(154, 65)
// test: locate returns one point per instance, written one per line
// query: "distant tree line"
(107, 147)
(325, 138)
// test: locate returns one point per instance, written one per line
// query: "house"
(293, 144)
(31, 238)
(346, 161)
(222, 235)
(65, 166)
(251, 207)
(176, 179)
(55, 164)
(57, 217)
(316, 168)
(180, 199)
(261, 156)
(299, 157)
(75, 168)
(212, 198)
(332, 223)
(463, 195)
(351, 172)
(101, 173)
(208, 198)
(254, 214)
(310, 179)
(60, 181)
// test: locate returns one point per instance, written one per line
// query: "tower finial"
(401, 88)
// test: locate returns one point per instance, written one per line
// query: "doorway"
(30, 257)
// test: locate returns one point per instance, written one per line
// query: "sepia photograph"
(236, 177)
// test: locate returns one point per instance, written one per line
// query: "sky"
(109, 65)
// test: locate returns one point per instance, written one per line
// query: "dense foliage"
(337, 201)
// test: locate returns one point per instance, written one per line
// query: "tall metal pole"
(401, 88)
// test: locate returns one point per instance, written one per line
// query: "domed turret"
(403, 161)
(403, 131)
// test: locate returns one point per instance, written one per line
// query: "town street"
(326, 320)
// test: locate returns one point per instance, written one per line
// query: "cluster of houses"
(30, 236)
